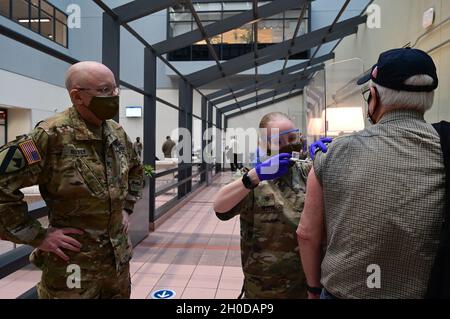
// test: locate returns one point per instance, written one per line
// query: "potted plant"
(148, 172)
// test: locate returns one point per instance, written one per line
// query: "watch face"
(247, 181)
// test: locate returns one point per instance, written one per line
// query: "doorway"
(3, 126)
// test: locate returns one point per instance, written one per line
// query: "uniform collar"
(400, 116)
(82, 133)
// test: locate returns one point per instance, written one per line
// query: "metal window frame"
(276, 51)
(265, 104)
(225, 25)
(286, 87)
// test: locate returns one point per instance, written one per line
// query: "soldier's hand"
(58, 239)
(125, 221)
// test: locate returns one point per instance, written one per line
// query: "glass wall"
(39, 16)
(235, 42)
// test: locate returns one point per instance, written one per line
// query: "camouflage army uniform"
(87, 177)
(269, 218)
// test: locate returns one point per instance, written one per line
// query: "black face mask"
(291, 147)
(105, 107)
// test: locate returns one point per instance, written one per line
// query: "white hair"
(418, 101)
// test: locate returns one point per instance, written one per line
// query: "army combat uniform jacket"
(86, 179)
(269, 217)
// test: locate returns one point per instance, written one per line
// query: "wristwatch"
(313, 290)
(246, 180)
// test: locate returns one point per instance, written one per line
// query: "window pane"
(47, 7)
(179, 28)
(47, 25)
(35, 3)
(242, 35)
(60, 16)
(4, 7)
(290, 28)
(61, 33)
(294, 14)
(179, 8)
(177, 16)
(34, 18)
(20, 12)
(214, 16)
(263, 3)
(240, 6)
(208, 7)
(270, 31)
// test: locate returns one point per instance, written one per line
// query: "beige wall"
(19, 122)
(401, 23)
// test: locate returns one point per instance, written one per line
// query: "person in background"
(167, 147)
(138, 147)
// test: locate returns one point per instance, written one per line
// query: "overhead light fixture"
(33, 20)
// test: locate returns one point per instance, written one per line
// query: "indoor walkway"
(193, 253)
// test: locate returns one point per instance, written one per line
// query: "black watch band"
(246, 180)
(314, 290)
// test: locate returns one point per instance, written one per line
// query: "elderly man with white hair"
(375, 200)
(90, 178)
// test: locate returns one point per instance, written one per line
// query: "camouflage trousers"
(109, 284)
(89, 275)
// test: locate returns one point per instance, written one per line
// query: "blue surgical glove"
(320, 144)
(275, 167)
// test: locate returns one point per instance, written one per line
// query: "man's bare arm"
(311, 229)
(232, 194)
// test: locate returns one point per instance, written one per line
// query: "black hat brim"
(366, 78)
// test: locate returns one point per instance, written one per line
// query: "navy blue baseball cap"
(395, 66)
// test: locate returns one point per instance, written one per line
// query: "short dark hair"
(167, 137)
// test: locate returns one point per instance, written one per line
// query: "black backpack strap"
(439, 283)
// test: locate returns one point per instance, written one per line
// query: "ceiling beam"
(276, 51)
(225, 25)
(141, 8)
(286, 88)
(265, 104)
(271, 83)
(273, 75)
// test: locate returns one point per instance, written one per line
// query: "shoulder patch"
(30, 151)
(11, 160)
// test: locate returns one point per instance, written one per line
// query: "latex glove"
(320, 144)
(275, 167)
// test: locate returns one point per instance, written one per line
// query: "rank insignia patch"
(30, 152)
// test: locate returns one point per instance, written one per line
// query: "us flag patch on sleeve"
(30, 152)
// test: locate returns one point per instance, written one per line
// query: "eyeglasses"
(291, 136)
(103, 91)
(366, 95)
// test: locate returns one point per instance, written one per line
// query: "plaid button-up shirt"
(384, 201)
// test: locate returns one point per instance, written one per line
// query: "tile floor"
(193, 253)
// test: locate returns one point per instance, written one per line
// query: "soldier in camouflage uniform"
(269, 216)
(90, 177)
